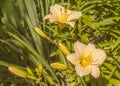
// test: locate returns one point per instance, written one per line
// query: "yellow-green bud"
(17, 71)
(59, 66)
(41, 33)
(29, 71)
(39, 70)
(63, 48)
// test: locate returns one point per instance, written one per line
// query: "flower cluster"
(86, 58)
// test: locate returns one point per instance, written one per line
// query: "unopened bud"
(41, 33)
(59, 66)
(63, 48)
(29, 71)
(17, 71)
(39, 70)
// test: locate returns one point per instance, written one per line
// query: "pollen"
(85, 61)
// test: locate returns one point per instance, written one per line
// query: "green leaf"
(108, 21)
(43, 61)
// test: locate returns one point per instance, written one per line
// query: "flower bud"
(17, 71)
(41, 33)
(63, 48)
(39, 70)
(29, 71)
(59, 66)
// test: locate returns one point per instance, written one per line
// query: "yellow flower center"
(85, 61)
(63, 15)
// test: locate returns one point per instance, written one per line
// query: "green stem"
(84, 84)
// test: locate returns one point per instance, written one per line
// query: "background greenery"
(21, 46)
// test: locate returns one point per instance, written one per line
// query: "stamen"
(65, 11)
(85, 61)
(60, 17)
(61, 9)
(63, 15)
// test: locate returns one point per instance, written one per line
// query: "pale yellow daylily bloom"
(87, 59)
(63, 16)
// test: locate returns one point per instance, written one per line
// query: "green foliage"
(21, 46)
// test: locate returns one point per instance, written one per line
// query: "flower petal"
(95, 72)
(89, 50)
(98, 57)
(74, 15)
(82, 71)
(56, 10)
(73, 58)
(52, 20)
(71, 24)
(50, 17)
(79, 47)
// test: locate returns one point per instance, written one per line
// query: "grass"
(22, 47)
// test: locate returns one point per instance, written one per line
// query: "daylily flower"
(62, 15)
(86, 59)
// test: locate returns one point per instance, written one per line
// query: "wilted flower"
(87, 59)
(62, 16)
